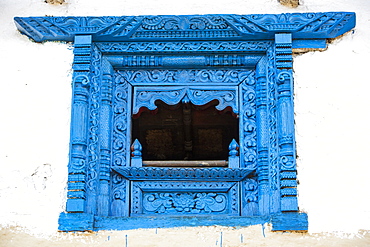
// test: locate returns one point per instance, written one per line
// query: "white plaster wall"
(331, 100)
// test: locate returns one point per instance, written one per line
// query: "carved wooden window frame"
(246, 56)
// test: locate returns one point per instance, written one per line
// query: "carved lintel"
(195, 27)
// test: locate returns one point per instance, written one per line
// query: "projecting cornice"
(187, 27)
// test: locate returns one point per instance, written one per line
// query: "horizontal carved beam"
(152, 61)
(194, 27)
(192, 174)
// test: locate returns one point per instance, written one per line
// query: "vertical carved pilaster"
(121, 138)
(273, 148)
(92, 183)
(262, 137)
(77, 168)
(105, 138)
(287, 159)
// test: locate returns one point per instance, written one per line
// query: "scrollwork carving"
(119, 194)
(120, 121)
(191, 46)
(185, 76)
(250, 197)
(93, 145)
(248, 147)
(272, 110)
(147, 96)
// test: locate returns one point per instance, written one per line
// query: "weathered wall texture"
(332, 119)
(180, 237)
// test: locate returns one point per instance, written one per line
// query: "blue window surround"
(122, 64)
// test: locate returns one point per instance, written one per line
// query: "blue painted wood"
(123, 65)
(234, 161)
(289, 221)
(188, 27)
(76, 222)
(136, 160)
(129, 223)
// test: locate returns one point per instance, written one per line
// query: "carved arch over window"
(124, 63)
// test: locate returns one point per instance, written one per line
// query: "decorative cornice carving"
(199, 27)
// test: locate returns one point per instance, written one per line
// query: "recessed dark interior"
(185, 132)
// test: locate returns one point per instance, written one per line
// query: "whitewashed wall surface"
(332, 130)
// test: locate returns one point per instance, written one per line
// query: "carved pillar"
(287, 159)
(262, 137)
(77, 168)
(105, 138)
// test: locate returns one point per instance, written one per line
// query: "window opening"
(185, 134)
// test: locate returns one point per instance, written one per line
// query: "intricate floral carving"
(184, 203)
(185, 197)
